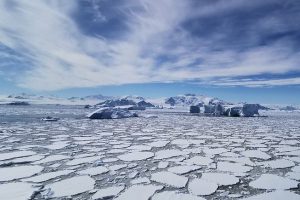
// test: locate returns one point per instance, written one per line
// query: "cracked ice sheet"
(69, 187)
(17, 191)
(139, 192)
(47, 176)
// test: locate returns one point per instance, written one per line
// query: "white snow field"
(175, 156)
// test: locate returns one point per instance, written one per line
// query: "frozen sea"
(174, 156)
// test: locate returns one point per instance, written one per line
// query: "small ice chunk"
(134, 156)
(256, 154)
(170, 179)
(276, 195)
(173, 195)
(17, 191)
(220, 178)
(183, 169)
(12, 173)
(139, 192)
(108, 192)
(71, 186)
(202, 187)
(94, 171)
(271, 181)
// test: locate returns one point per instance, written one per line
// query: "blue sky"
(239, 50)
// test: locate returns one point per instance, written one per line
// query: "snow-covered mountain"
(193, 100)
(126, 101)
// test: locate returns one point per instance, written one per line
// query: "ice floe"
(183, 169)
(278, 164)
(139, 192)
(220, 178)
(108, 192)
(276, 195)
(47, 176)
(173, 195)
(199, 160)
(134, 156)
(271, 181)
(17, 172)
(17, 191)
(94, 171)
(162, 154)
(16, 154)
(202, 187)
(70, 186)
(256, 154)
(170, 179)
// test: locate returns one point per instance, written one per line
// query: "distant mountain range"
(194, 100)
(178, 101)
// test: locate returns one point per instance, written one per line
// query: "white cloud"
(64, 57)
(256, 83)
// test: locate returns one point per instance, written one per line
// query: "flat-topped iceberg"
(246, 110)
(111, 113)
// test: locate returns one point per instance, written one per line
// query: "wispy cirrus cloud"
(87, 43)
